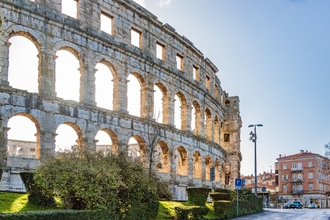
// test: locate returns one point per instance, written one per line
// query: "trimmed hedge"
(216, 196)
(58, 214)
(191, 212)
(220, 190)
(198, 196)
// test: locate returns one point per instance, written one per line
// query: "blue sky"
(274, 55)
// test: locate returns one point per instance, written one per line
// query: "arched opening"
(67, 75)
(104, 141)
(136, 148)
(69, 138)
(158, 104)
(23, 64)
(165, 166)
(180, 111)
(23, 137)
(208, 166)
(134, 95)
(208, 124)
(181, 161)
(196, 118)
(104, 86)
(198, 163)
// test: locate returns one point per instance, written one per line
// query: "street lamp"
(253, 138)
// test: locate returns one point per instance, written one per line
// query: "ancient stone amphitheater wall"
(194, 81)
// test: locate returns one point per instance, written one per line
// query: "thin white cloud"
(164, 3)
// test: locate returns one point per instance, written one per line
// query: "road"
(289, 214)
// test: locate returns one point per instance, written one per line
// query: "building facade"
(304, 177)
(204, 150)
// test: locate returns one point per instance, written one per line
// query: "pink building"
(303, 177)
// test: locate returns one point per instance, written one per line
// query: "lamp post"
(253, 138)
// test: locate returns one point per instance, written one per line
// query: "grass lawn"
(18, 202)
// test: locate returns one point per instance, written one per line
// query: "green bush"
(191, 212)
(93, 181)
(220, 190)
(216, 196)
(198, 196)
(36, 195)
(58, 214)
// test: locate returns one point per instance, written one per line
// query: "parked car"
(286, 206)
(296, 205)
(312, 206)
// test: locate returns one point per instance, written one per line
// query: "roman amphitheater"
(202, 150)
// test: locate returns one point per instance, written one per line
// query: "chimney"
(301, 151)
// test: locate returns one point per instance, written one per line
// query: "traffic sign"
(263, 189)
(238, 182)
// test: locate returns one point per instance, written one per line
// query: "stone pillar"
(191, 167)
(186, 117)
(120, 94)
(198, 123)
(3, 146)
(147, 103)
(87, 81)
(46, 146)
(46, 75)
(203, 171)
(168, 111)
(217, 132)
(4, 60)
(201, 124)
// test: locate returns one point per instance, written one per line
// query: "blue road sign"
(263, 189)
(238, 182)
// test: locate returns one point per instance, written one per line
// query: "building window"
(160, 51)
(195, 73)
(285, 177)
(294, 176)
(284, 188)
(208, 83)
(136, 38)
(179, 62)
(226, 137)
(310, 164)
(300, 176)
(284, 166)
(310, 186)
(70, 7)
(310, 175)
(216, 91)
(106, 23)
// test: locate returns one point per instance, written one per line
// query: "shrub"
(220, 190)
(216, 196)
(198, 196)
(36, 195)
(191, 212)
(92, 181)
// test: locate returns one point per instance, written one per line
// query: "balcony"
(297, 181)
(297, 170)
(297, 192)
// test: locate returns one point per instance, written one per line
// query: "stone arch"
(76, 82)
(183, 111)
(208, 124)
(208, 166)
(139, 96)
(198, 117)
(217, 129)
(104, 84)
(77, 129)
(198, 165)
(217, 170)
(38, 130)
(137, 149)
(27, 35)
(113, 147)
(181, 161)
(165, 157)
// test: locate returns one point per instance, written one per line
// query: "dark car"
(286, 206)
(296, 205)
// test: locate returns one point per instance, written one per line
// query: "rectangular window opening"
(226, 137)
(70, 8)
(216, 91)
(160, 51)
(208, 82)
(136, 38)
(195, 73)
(179, 62)
(106, 23)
